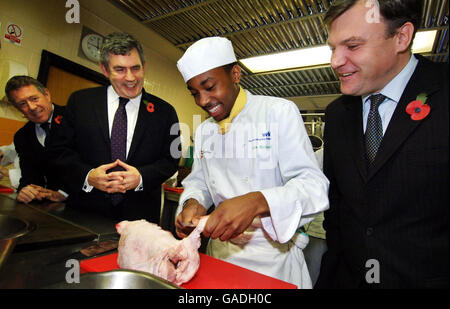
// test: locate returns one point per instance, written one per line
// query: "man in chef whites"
(259, 207)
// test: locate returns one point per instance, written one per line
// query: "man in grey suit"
(386, 152)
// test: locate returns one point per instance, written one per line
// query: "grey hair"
(119, 43)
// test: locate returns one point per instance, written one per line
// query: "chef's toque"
(204, 55)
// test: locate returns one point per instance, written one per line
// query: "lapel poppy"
(58, 119)
(150, 106)
(417, 108)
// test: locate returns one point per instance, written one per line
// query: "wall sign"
(14, 33)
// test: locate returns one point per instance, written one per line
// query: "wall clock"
(90, 45)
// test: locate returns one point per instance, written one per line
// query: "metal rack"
(314, 123)
(258, 27)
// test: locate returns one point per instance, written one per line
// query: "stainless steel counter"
(40, 257)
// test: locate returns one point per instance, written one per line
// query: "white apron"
(263, 255)
(266, 149)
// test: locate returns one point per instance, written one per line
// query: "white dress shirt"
(393, 92)
(132, 110)
(40, 133)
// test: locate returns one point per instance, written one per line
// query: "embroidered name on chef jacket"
(256, 142)
(242, 142)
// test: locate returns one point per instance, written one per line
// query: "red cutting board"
(212, 274)
(5, 189)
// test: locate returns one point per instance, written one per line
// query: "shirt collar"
(114, 97)
(394, 89)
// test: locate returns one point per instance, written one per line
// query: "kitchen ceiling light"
(424, 41)
(298, 58)
(320, 55)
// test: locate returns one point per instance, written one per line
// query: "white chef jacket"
(267, 149)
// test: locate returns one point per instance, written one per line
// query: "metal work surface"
(39, 257)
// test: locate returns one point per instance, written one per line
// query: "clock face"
(91, 46)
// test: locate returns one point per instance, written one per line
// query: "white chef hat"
(204, 55)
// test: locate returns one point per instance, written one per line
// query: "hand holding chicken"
(146, 247)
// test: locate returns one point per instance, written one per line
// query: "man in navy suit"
(94, 173)
(39, 180)
(387, 226)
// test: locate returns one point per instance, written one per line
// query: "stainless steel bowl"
(117, 279)
(11, 229)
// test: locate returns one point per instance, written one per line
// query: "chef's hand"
(29, 193)
(103, 181)
(232, 217)
(130, 177)
(188, 219)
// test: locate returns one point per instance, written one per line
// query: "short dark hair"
(19, 81)
(394, 12)
(119, 43)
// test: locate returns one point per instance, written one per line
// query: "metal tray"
(117, 279)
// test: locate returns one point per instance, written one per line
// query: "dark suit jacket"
(85, 144)
(397, 212)
(35, 164)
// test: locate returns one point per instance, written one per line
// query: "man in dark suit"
(39, 179)
(387, 226)
(116, 148)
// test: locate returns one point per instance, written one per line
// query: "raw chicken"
(146, 247)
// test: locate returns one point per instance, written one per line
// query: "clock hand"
(96, 46)
(98, 43)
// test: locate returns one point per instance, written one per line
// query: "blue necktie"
(119, 141)
(374, 129)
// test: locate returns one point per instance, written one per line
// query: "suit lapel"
(31, 128)
(58, 111)
(401, 124)
(142, 122)
(353, 132)
(100, 107)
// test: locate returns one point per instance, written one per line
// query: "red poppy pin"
(58, 119)
(417, 108)
(150, 106)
